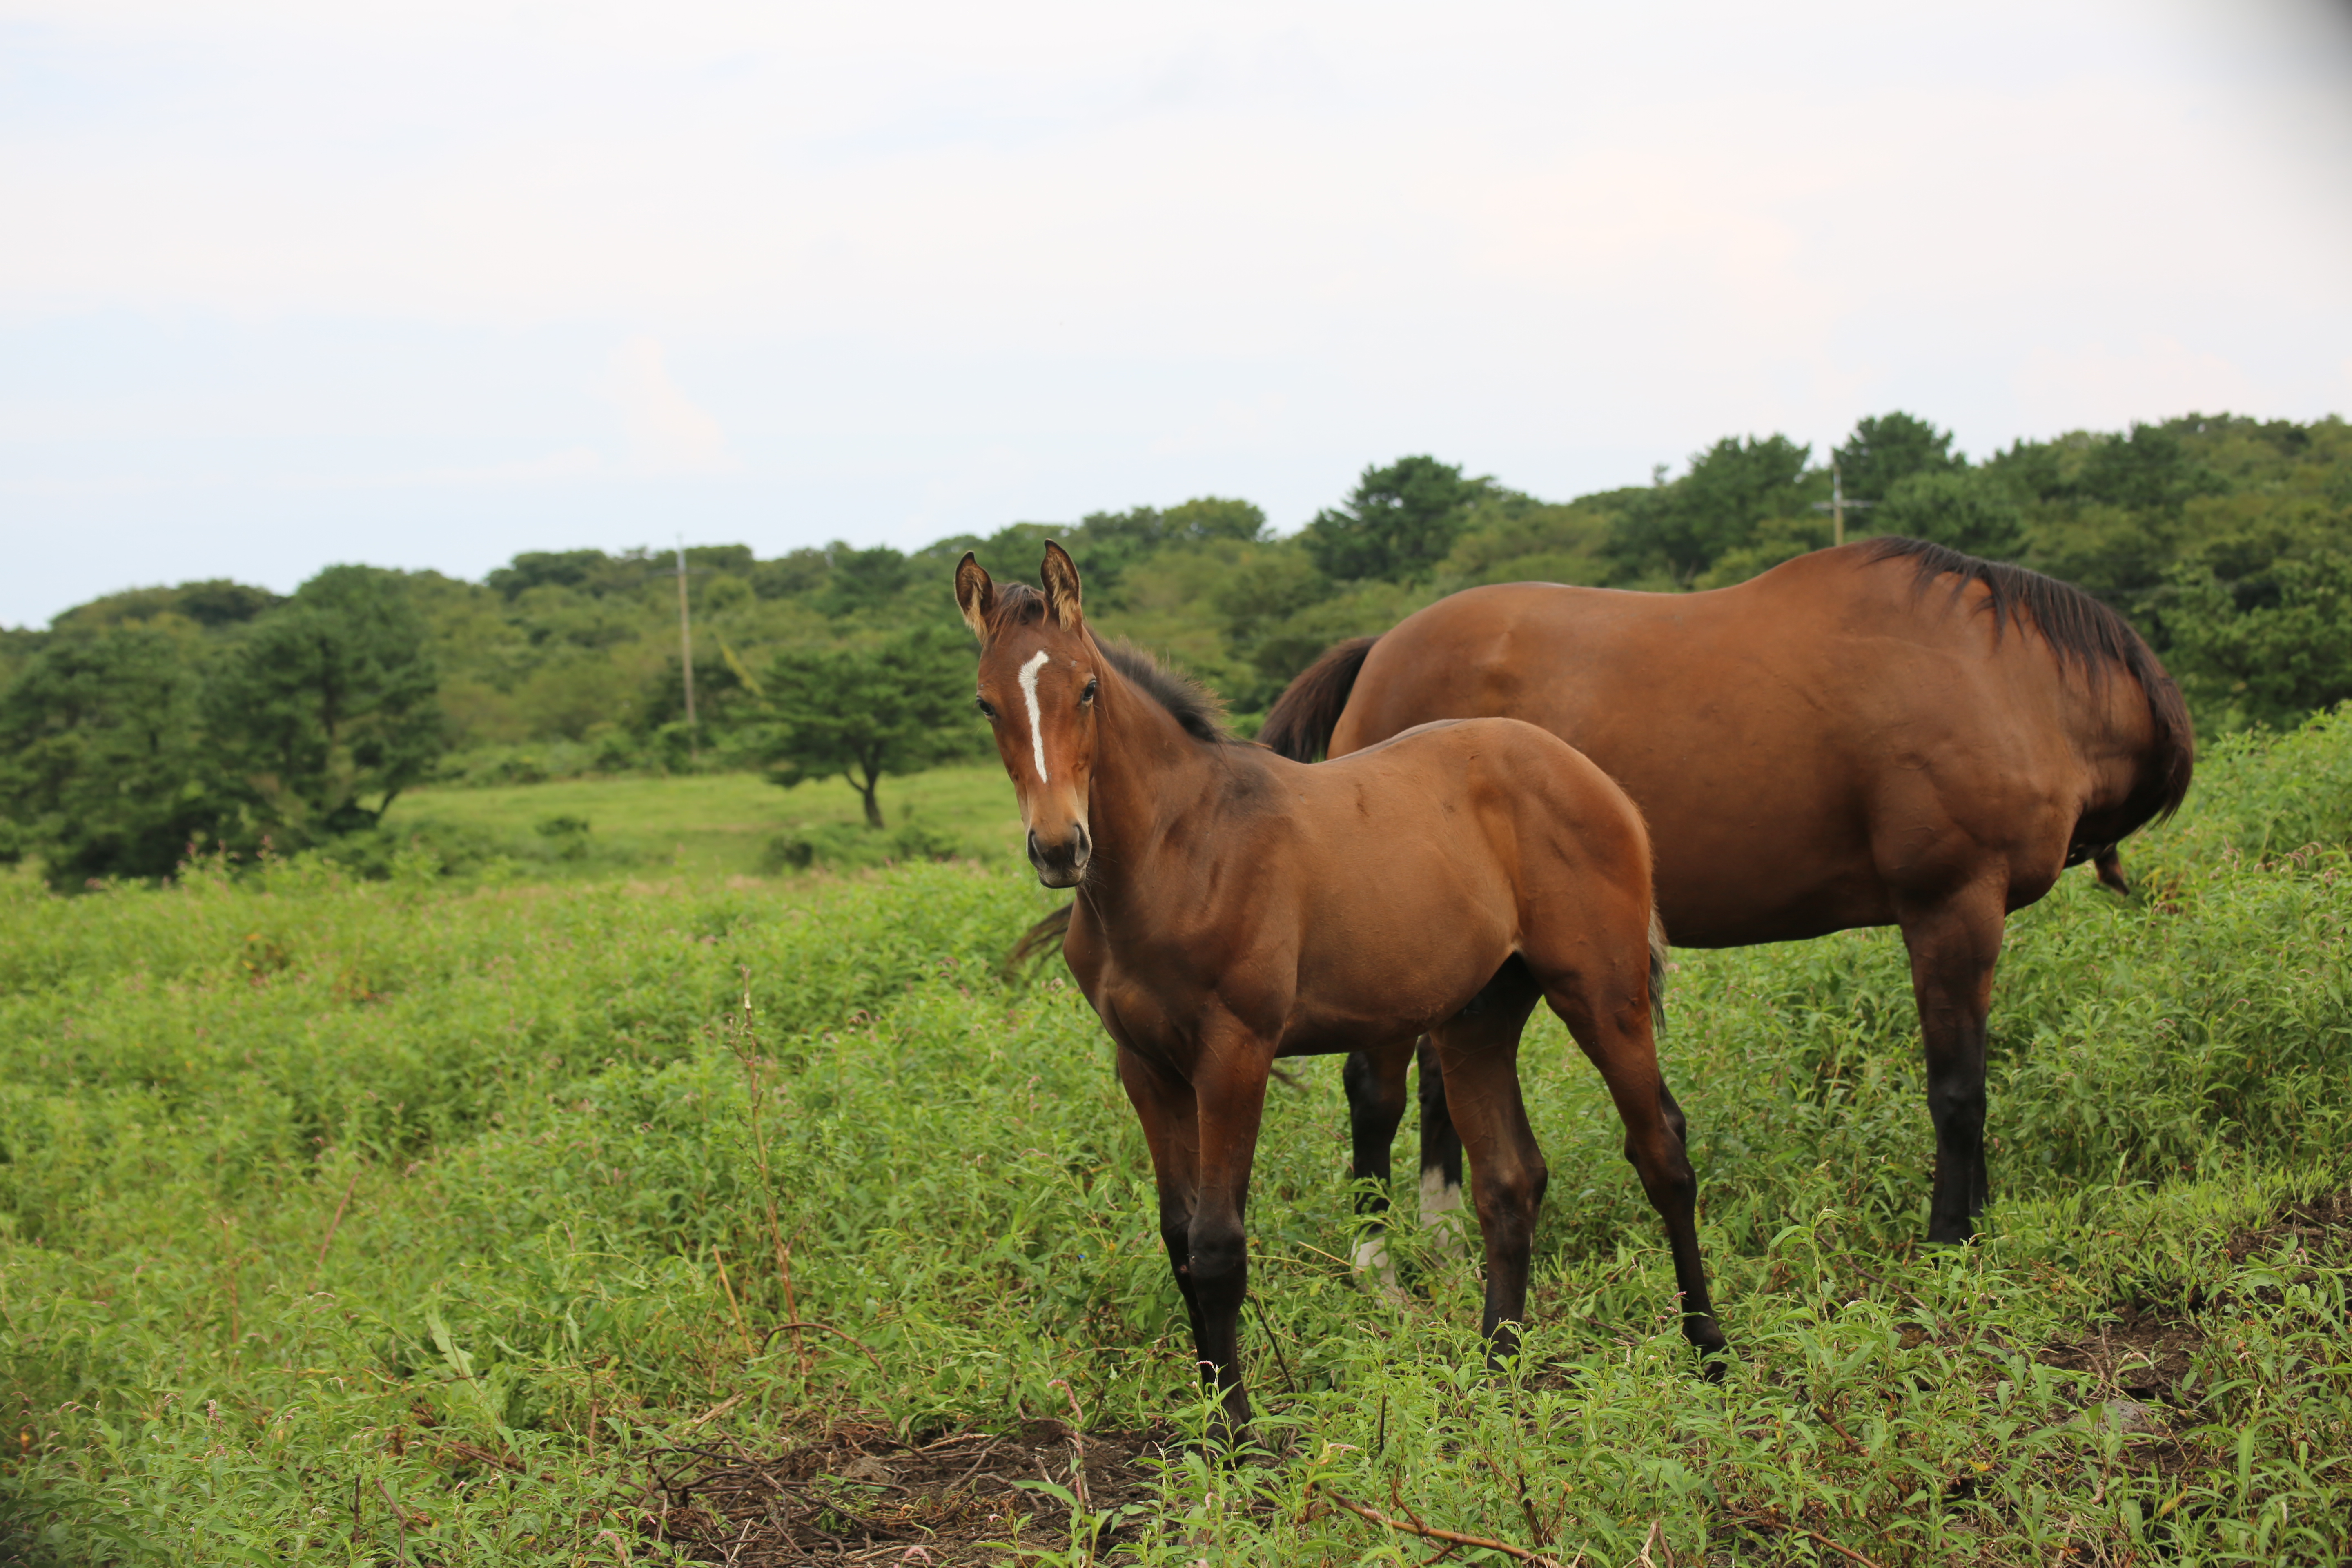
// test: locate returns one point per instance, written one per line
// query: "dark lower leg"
(1440, 1151)
(1617, 1036)
(1220, 1258)
(1230, 1102)
(1375, 1084)
(1479, 1055)
(1953, 949)
(1659, 1157)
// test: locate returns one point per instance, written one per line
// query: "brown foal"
(1233, 906)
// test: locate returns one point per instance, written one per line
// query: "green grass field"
(436, 1221)
(712, 824)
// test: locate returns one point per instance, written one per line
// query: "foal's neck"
(1153, 782)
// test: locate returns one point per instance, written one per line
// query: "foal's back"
(1410, 871)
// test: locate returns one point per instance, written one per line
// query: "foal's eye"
(1088, 694)
(985, 711)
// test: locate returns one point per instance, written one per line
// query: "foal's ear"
(975, 595)
(1060, 575)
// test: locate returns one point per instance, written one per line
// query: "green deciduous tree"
(864, 579)
(2269, 649)
(1967, 509)
(1678, 529)
(328, 704)
(1397, 524)
(868, 711)
(102, 769)
(1887, 448)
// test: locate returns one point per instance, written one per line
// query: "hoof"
(1714, 1349)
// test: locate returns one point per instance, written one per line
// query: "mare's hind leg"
(1954, 945)
(1610, 1017)
(1478, 1049)
(1441, 1158)
(1376, 1099)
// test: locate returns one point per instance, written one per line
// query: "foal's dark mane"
(1189, 703)
(2080, 629)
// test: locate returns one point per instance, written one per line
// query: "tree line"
(218, 714)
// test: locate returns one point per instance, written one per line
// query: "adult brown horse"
(1888, 733)
(1233, 906)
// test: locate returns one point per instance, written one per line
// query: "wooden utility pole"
(686, 657)
(1836, 506)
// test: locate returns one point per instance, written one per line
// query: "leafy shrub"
(842, 847)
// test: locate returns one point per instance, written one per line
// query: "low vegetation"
(437, 1219)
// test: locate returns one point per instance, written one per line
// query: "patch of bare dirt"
(2142, 1355)
(2139, 1359)
(855, 1493)
(2322, 1227)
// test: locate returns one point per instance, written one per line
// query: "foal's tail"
(1039, 940)
(1299, 725)
(1657, 970)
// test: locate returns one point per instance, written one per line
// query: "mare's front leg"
(1375, 1082)
(1478, 1050)
(1954, 944)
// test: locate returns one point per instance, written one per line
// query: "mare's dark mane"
(2080, 629)
(1189, 703)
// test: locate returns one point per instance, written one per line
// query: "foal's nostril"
(1067, 859)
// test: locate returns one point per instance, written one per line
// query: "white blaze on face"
(1036, 722)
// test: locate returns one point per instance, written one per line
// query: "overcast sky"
(425, 285)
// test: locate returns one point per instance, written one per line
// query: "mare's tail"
(1657, 970)
(1039, 940)
(1300, 723)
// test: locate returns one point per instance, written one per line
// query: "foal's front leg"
(1202, 1137)
(1228, 1094)
(1163, 1104)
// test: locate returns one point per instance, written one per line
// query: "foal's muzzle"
(1062, 864)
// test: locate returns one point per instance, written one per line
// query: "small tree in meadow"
(865, 712)
(328, 708)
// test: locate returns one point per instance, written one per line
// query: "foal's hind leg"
(1478, 1049)
(1376, 1099)
(1611, 1020)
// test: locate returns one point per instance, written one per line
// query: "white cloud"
(667, 433)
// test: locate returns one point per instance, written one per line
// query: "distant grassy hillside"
(716, 825)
